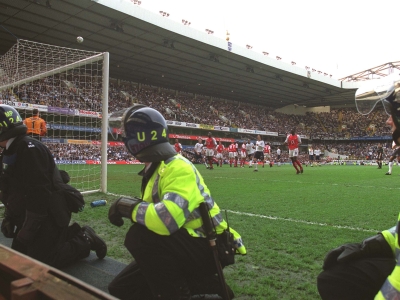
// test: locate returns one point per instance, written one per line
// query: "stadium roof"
(148, 48)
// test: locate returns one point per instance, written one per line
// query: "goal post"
(70, 88)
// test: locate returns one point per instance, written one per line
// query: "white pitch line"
(301, 221)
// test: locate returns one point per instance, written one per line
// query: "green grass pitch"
(288, 222)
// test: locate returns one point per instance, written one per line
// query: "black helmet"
(144, 132)
(11, 124)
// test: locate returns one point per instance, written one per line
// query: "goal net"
(69, 87)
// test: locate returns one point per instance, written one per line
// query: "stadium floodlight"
(70, 89)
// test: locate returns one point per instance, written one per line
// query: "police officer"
(167, 240)
(370, 269)
(36, 216)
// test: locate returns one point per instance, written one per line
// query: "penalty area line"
(302, 221)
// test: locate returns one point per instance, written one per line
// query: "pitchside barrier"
(22, 277)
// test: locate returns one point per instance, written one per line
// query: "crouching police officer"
(167, 240)
(370, 269)
(36, 216)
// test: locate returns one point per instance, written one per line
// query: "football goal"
(69, 87)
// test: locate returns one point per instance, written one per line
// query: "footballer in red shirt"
(293, 140)
(210, 146)
(220, 154)
(232, 154)
(267, 154)
(178, 146)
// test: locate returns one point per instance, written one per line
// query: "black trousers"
(164, 266)
(56, 246)
(359, 279)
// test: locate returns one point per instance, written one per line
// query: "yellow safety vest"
(171, 201)
(391, 288)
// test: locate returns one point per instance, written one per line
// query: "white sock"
(390, 166)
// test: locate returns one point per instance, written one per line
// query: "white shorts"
(209, 152)
(219, 155)
(232, 154)
(243, 154)
(267, 155)
(294, 152)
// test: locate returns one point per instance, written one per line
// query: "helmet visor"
(116, 122)
(375, 91)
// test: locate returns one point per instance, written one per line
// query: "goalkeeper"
(37, 215)
(173, 259)
(370, 269)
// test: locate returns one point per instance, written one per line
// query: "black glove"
(122, 208)
(370, 247)
(8, 226)
(31, 226)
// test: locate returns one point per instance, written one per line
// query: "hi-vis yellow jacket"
(391, 288)
(171, 201)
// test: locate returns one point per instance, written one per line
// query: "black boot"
(96, 243)
(209, 286)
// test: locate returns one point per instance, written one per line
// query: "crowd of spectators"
(352, 151)
(79, 91)
(69, 152)
(82, 92)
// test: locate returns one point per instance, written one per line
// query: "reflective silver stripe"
(181, 202)
(238, 243)
(392, 230)
(217, 219)
(388, 291)
(166, 217)
(141, 212)
(193, 216)
(163, 212)
(160, 208)
(154, 192)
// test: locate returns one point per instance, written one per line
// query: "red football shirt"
(178, 147)
(210, 143)
(220, 148)
(232, 148)
(293, 141)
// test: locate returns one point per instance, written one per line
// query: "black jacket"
(26, 180)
